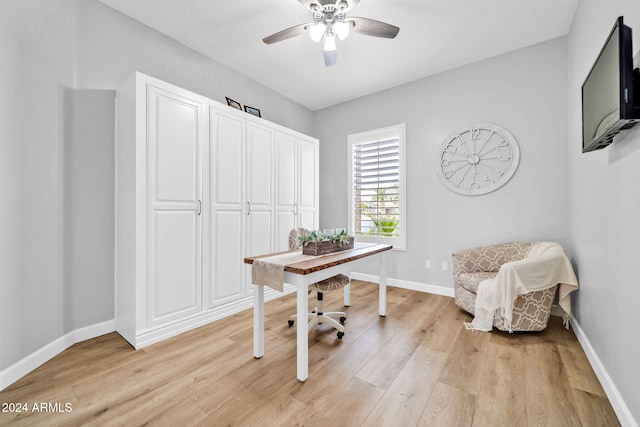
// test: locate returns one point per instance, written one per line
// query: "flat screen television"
(610, 99)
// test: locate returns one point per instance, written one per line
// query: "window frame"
(387, 133)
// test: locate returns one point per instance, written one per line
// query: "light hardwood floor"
(416, 367)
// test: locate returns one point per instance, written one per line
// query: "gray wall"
(524, 92)
(112, 46)
(88, 206)
(605, 211)
(37, 44)
(61, 61)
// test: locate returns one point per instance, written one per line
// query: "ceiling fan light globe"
(329, 42)
(341, 29)
(316, 31)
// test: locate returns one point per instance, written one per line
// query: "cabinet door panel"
(173, 131)
(285, 152)
(307, 155)
(226, 235)
(286, 221)
(259, 233)
(227, 156)
(174, 283)
(259, 239)
(259, 166)
(176, 266)
(307, 185)
(227, 257)
(285, 170)
(307, 219)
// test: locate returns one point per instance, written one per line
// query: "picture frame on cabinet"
(234, 104)
(252, 110)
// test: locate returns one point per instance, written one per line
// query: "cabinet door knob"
(248, 208)
(199, 207)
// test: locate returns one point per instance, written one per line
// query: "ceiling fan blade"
(330, 57)
(286, 34)
(371, 27)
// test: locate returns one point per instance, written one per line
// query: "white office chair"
(318, 315)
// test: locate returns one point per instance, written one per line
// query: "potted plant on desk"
(324, 242)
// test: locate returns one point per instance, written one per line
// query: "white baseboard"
(405, 284)
(619, 406)
(37, 358)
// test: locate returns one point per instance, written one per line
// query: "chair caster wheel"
(290, 322)
(340, 335)
(342, 320)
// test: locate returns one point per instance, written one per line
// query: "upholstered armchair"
(471, 266)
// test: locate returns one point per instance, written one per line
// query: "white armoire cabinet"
(199, 186)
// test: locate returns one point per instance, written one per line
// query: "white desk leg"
(303, 330)
(382, 289)
(258, 322)
(347, 295)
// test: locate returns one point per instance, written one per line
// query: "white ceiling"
(435, 36)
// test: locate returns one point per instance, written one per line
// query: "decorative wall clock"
(478, 159)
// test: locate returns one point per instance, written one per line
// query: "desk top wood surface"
(326, 261)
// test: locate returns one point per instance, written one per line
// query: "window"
(377, 191)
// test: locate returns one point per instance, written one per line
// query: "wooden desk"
(302, 274)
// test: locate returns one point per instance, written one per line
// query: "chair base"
(318, 318)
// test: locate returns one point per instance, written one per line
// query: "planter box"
(323, 248)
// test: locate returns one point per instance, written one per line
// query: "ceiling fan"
(330, 21)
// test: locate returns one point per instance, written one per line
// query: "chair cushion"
(470, 281)
(335, 282)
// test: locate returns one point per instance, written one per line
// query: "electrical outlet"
(427, 264)
(445, 265)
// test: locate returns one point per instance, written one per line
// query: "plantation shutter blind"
(376, 188)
